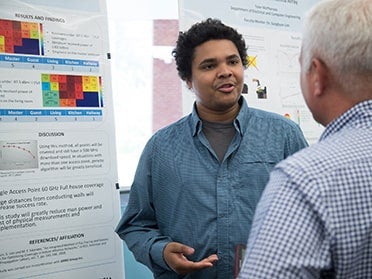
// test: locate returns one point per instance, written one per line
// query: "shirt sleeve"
(138, 226)
(289, 238)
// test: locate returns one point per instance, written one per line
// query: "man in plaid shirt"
(314, 219)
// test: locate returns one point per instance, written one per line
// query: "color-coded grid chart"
(20, 37)
(71, 90)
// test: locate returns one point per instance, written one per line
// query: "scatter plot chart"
(20, 37)
(71, 91)
(20, 154)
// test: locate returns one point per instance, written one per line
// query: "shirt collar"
(196, 122)
(360, 114)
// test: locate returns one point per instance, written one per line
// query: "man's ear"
(319, 76)
(189, 84)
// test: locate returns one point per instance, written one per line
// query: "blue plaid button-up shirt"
(315, 216)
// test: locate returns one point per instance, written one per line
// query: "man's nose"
(224, 71)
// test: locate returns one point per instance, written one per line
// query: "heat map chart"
(61, 90)
(20, 37)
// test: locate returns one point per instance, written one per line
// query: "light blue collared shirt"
(315, 217)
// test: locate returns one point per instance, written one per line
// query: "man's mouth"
(226, 87)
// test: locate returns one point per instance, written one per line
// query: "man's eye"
(208, 66)
(234, 62)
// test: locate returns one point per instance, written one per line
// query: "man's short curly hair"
(199, 33)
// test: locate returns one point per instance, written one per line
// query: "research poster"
(272, 31)
(59, 202)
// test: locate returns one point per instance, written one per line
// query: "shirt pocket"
(252, 175)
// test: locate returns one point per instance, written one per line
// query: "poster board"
(272, 31)
(59, 202)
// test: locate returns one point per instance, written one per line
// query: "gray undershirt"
(219, 136)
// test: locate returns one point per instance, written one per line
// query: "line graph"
(21, 154)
